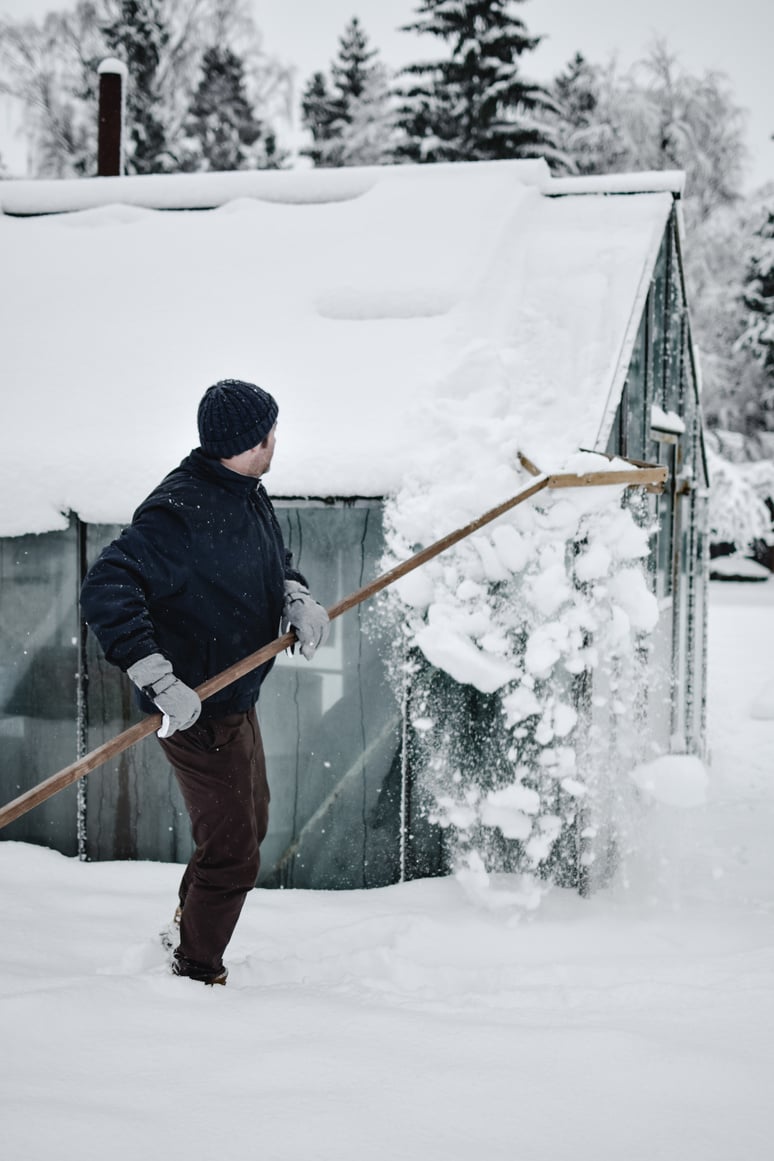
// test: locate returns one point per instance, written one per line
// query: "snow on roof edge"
(652, 181)
(181, 191)
(191, 191)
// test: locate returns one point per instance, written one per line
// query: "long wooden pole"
(637, 477)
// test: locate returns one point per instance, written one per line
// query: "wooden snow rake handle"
(651, 477)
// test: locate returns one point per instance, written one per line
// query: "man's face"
(256, 461)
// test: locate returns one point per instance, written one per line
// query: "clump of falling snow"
(503, 632)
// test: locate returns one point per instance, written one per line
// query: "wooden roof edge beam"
(658, 487)
(651, 478)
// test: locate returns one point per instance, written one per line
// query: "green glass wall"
(331, 726)
(38, 680)
(661, 373)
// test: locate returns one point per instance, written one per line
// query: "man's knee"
(252, 866)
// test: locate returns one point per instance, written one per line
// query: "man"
(200, 579)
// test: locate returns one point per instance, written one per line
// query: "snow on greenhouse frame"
(428, 331)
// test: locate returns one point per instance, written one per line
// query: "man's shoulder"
(180, 488)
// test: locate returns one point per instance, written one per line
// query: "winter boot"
(183, 966)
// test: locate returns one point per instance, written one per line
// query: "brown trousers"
(220, 767)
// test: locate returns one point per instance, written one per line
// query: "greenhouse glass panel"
(675, 328)
(681, 655)
(666, 519)
(38, 680)
(659, 326)
(689, 413)
(698, 724)
(634, 397)
(659, 690)
(332, 726)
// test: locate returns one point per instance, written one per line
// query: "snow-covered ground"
(407, 1022)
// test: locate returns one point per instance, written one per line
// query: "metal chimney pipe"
(113, 76)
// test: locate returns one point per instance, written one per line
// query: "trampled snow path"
(406, 1023)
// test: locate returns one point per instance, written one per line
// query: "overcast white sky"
(735, 38)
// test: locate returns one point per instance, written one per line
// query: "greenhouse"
(381, 307)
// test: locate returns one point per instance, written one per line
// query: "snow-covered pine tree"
(350, 113)
(138, 37)
(584, 130)
(354, 66)
(222, 127)
(368, 136)
(475, 105)
(321, 110)
(577, 90)
(758, 336)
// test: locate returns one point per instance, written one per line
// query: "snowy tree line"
(204, 95)
(202, 92)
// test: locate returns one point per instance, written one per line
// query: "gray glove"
(179, 703)
(304, 614)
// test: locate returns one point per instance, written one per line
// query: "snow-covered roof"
(364, 299)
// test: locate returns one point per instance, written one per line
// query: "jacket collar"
(204, 467)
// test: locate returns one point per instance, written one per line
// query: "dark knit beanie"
(234, 416)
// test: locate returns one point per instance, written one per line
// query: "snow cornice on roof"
(201, 191)
(658, 181)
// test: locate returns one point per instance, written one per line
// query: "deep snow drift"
(406, 1022)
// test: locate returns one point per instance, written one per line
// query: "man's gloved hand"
(179, 703)
(304, 614)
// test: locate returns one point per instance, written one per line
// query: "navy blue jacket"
(198, 575)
